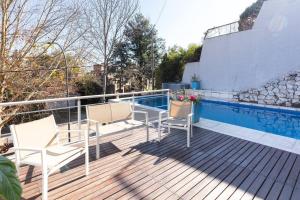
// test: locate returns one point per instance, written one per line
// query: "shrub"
(88, 86)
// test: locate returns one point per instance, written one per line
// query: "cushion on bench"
(117, 126)
(100, 113)
(120, 111)
(110, 112)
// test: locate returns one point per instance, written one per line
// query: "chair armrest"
(73, 130)
(27, 149)
(139, 111)
(36, 150)
(163, 112)
(160, 114)
(189, 118)
(92, 121)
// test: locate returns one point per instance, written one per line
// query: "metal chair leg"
(188, 137)
(97, 142)
(159, 132)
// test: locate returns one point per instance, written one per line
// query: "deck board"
(282, 178)
(233, 183)
(220, 169)
(170, 171)
(191, 179)
(216, 166)
(162, 161)
(238, 172)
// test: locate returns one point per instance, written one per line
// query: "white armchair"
(178, 117)
(37, 143)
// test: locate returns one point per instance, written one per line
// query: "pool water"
(153, 101)
(277, 121)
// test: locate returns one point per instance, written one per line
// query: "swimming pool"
(272, 120)
(157, 101)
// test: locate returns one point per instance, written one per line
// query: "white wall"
(249, 59)
(189, 70)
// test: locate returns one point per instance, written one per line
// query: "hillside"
(248, 17)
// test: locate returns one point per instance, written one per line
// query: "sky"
(183, 22)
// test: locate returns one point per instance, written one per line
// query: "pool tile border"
(268, 139)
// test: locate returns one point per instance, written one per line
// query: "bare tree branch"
(104, 21)
(27, 28)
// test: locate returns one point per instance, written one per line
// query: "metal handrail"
(38, 111)
(78, 99)
(222, 30)
(17, 103)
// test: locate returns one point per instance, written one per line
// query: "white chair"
(179, 116)
(37, 143)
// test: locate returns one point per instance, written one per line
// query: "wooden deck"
(215, 167)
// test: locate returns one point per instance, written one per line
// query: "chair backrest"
(120, 111)
(180, 109)
(35, 134)
(111, 112)
(100, 113)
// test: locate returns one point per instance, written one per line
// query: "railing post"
(133, 102)
(69, 120)
(79, 118)
(168, 100)
(133, 106)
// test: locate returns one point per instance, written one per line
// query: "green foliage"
(248, 17)
(142, 45)
(88, 86)
(193, 53)
(195, 78)
(10, 187)
(172, 66)
(121, 64)
(252, 10)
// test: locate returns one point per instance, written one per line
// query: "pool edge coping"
(269, 139)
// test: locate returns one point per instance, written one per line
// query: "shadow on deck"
(215, 167)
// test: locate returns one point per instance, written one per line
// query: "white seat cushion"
(127, 124)
(117, 126)
(55, 155)
(176, 122)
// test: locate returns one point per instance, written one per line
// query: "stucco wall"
(189, 70)
(250, 59)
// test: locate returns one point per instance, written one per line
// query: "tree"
(121, 64)
(28, 28)
(193, 53)
(103, 24)
(145, 49)
(172, 66)
(248, 17)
